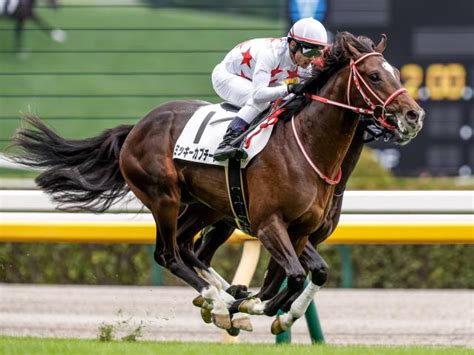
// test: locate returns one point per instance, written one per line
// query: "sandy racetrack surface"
(428, 317)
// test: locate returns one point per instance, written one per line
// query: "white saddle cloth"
(204, 131)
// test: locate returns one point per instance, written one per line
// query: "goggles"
(311, 51)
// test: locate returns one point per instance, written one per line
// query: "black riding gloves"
(296, 89)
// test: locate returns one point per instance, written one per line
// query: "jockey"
(252, 75)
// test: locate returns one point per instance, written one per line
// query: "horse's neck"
(327, 131)
(352, 158)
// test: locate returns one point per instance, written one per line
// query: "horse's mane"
(333, 58)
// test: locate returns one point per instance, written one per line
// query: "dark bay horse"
(21, 11)
(216, 235)
(290, 185)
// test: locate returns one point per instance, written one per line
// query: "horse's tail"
(79, 174)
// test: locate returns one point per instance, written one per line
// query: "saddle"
(203, 133)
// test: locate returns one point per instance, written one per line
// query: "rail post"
(346, 265)
(156, 272)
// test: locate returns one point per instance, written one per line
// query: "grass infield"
(29, 345)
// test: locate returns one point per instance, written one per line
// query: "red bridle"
(380, 117)
(357, 77)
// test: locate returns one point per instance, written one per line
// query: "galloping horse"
(212, 238)
(22, 10)
(290, 184)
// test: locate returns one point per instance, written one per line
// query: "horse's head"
(374, 84)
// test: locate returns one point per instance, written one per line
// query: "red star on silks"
(292, 74)
(246, 58)
(242, 74)
(276, 71)
(273, 81)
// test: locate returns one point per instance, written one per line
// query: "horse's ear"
(380, 47)
(353, 51)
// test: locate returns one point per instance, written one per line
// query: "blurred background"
(114, 60)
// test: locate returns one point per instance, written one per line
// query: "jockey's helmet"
(310, 35)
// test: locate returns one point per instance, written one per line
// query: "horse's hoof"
(244, 307)
(242, 323)
(206, 315)
(222, 320)
(233, 332)
(277, 327)
(238, 291)
(252, 306)
(198, 301)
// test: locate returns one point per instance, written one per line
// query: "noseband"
(378, 112)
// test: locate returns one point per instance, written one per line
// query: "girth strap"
(236, 192)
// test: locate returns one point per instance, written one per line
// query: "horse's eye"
(374, 77)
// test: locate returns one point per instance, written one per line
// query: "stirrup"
(230, 152)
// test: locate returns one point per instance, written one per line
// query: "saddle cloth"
(204, 131)
(8, 7)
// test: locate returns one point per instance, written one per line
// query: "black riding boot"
(228, 148)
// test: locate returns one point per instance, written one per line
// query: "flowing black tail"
(79, 174)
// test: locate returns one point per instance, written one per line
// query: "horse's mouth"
(406, 131)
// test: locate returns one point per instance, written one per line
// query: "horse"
(216, 235)
(22, 10)
(290, 184)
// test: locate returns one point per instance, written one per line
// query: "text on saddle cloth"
(204, 131)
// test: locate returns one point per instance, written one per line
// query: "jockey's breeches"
(237, 91)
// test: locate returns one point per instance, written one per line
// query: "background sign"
(307, 8)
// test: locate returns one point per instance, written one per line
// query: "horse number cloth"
(204, 131)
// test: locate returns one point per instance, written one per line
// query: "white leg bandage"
(225, 285)
(212, 296)
(299, 306)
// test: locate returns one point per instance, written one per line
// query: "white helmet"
(309, 32)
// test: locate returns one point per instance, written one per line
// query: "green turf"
(67, 113)
(18, 345)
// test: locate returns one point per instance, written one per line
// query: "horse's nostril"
(412, 115)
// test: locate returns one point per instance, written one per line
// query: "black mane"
(335, 57)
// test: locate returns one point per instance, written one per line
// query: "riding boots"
(229, 148)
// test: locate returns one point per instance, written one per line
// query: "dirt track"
(434, 317)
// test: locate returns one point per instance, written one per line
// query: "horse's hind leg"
(158, 188)
(212, 237)
(191, 220)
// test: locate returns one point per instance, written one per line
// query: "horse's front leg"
(274, 236)
(297, 307)
(272, 282)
